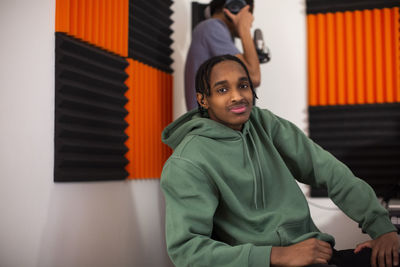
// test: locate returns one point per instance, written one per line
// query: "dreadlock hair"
(218, 5)
(202, 81)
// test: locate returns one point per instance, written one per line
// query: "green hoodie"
(231, 195)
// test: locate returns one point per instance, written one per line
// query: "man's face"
(231, 98)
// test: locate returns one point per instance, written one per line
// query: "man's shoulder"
(261, 113)
(210, 25)
(191, 146)
(263, 118)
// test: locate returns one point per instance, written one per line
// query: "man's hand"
(242, 21)
(310, 251)
(385, 250)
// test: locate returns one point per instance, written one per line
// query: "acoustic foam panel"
(354, 63)
(103, 23)
(89, 113)
(324, 6)
(150, 33)
(354, 57)
(150, 111)
(365, 137)
(197, 13)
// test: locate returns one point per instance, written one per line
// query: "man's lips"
(238, 108)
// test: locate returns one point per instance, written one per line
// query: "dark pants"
(347, 258)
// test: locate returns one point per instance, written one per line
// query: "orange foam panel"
(103, 23)
(353, 57)
(150, 111)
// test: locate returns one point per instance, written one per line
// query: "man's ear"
(202, 100)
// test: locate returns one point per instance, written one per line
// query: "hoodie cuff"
(380, 226)
(260, 256)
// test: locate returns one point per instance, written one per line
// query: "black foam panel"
(150, 33)
(198, 13)
(89, 112)
(365, 137)
(325, 6)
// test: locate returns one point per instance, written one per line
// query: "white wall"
(283, 88)
(55, 225)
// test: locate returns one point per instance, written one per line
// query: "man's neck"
(228, 23)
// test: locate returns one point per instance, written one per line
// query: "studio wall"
(354, 87)
(121, 106)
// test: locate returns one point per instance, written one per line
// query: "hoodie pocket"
(290, 232)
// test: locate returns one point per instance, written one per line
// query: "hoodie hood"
(192, 123)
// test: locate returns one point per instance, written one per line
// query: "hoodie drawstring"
(246, 148)
(259, 169)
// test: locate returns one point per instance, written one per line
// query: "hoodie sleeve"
(191, 200)
(313, 165)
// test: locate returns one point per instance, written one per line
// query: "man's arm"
(242, 22)
(313, 165)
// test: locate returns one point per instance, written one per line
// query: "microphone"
(262, 50)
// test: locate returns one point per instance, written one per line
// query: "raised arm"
(242, 23)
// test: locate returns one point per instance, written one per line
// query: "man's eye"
(222, 90)
(244, 86)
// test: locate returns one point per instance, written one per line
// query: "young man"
(231, 192)
(214, 37)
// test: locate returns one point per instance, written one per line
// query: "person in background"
(231, 191)
(215, 36)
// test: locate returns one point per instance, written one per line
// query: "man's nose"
(236, 95)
